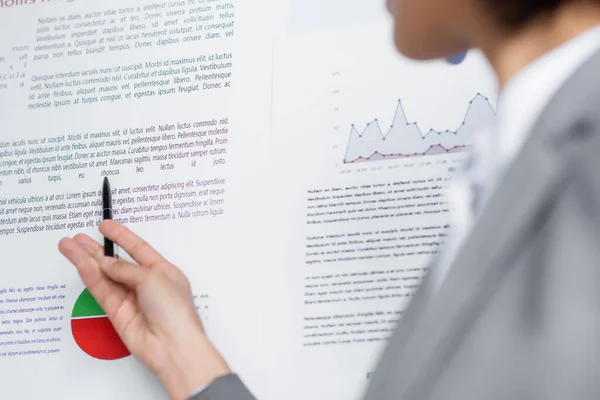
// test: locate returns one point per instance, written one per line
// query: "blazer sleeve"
(228, 387)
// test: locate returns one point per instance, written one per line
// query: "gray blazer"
(518, 316)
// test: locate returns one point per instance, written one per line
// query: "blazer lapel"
(512, 215)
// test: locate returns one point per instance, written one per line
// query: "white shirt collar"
(527, 94)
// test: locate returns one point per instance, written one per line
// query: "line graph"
(405, 139)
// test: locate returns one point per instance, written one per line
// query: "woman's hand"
(150, 306)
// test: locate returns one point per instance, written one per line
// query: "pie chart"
(93, 332)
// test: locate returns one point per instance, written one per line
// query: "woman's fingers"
(93, 247)
(141, 252)
(107, 293)
(135, 246)
(127, 274)
(86, 264)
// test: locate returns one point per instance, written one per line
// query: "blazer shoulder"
(228, 387)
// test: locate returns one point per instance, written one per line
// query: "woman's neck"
(510, 53)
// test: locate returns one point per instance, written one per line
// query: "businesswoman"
(512, 309)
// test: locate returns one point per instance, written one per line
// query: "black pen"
(107, 213)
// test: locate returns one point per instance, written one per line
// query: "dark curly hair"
(515, 13)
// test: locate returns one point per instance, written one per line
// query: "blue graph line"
(400, 108)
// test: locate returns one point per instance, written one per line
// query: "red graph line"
(405, 155)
